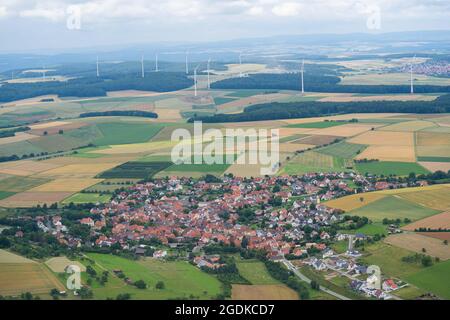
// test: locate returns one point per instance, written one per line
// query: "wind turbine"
(208, 67)
(187, 62)
(195, 80)
(411, 75)
(302, 71)
(156, 63)
(98, 70)
(142, 66)
(240, 65)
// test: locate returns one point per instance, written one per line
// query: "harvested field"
(19, 136)
(438, 221)
(17, 278)
(168, 115)
(55, 129)
(66, 185)
(409, 126)
(79, 170)
(318, 140)
(9, 257)
(28, 166)
(354, 201)
(436, 166)
(438, 199)
(262, 292)
(381, 138)
(138, 148)
(287, 132)
(432, 139)
(391, 97)
(59, 264)
(388, 153)
(30, 199)
(416, 242)
(347, 130)
(49, 125)
(437, 235)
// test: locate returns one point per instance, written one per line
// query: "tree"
(140, 284)
(160, 285)
(315, 285)
(427, 261)
(54, 293)
(446, 242)
(61, 131)
(45, 133)
(123, 296)
(85, 293)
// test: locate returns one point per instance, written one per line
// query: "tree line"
(120, 113)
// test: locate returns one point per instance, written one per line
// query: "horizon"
(66, 25)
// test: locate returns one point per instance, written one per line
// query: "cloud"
(287, 9)
(3, 12)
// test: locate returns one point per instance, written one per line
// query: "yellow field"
(382, 138)
(79, 170)
(17, 278)
(157, 146)
(66, 185)
(433, 139)
(59, 264)
(415, 189)
(438, 199)
(26, 167)
(409, 126)
(292, 147)
(8, 257)
(347, 130)
(168, 115)
(416, 242)
(30, 199)
(49, 125)
(353, 201)
(389, 153)
(262, 292)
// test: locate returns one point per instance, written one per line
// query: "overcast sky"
(36, 24)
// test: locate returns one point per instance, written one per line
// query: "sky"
(32, 25)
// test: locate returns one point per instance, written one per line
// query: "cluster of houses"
(176, 211)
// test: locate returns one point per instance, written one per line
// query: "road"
(302, 277)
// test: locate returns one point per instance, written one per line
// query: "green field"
(181, 279)
(87, 198)
(389, 259)
(312, 161)
(317, 125)
(390, 168)
(222, 100)
(124, 133)
(393, 207)
(5, 194)
(255, 272)
(135, 170)
(370, 229)
(204, 168)
(434, 159)
(19, 184)
(343, 149)
(434, 279)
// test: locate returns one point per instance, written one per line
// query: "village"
(284, 217)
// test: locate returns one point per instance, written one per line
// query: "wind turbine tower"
(195, 81)
(411, 75)
(303, 79)
(187, 62)
(240, 65)
(208, 67)
(98, 70)
(156, 63)
(142, 66)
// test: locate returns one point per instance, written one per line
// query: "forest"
(318, 82)
(276, 110)
(96, 87)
